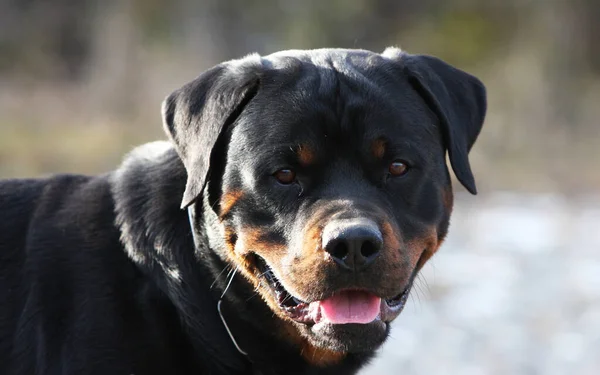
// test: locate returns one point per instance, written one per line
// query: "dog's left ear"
(459, 101)
(196, 115)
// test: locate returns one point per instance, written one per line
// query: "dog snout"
(354, 244)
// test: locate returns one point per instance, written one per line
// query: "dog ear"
(459, 101)
(196, 116)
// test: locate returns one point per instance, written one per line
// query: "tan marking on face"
(251, 240)
(391, 241)
(378, 147)
(244, 264)
(228, 200)
(312, 239)
(423, 247)
(306, 155)
(313, 260)
(230, 239)
(241, 245)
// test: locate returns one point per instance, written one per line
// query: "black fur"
(105, 274)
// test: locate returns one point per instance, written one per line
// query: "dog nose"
(352, 243)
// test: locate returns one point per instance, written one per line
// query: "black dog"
(280, 233)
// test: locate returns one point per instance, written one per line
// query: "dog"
(278, 231)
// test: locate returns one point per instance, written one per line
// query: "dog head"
(326, 170)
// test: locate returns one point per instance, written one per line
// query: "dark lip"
(298, 310)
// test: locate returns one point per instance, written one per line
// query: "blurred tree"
(67, 62)
(50, 38)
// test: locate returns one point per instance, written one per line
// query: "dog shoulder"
(148, 179)
(145, 170)
(146, 190)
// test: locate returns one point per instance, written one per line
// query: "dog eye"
(398, 168)
(285, 176)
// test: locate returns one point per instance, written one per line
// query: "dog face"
(327, 172)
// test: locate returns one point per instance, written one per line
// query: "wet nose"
(353, 243)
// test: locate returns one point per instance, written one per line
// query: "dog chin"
(346, 338)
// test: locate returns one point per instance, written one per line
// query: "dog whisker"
(253, 295)
(424, 281)
(228, 266)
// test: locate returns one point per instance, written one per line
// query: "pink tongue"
(350, 307)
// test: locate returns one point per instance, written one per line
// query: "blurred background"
(516, 287)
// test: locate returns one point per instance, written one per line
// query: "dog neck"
(156, 236)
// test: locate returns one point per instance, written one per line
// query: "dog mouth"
(347, 306)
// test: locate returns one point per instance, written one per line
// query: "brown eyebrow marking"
(306, 155)
(378, 147)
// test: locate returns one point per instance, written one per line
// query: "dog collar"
(223, 318)
(195, 239)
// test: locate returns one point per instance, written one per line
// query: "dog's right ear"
(196, 115)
